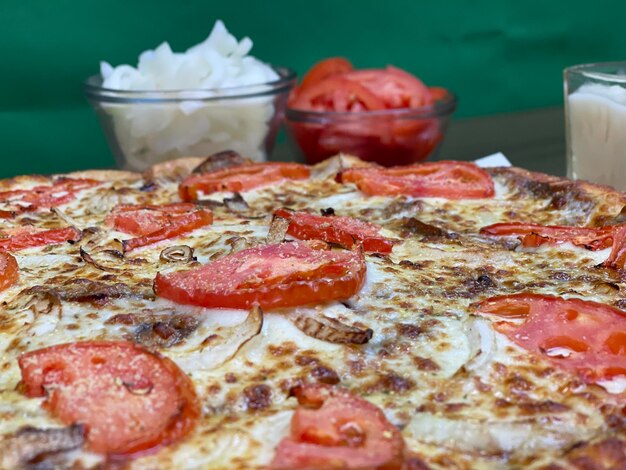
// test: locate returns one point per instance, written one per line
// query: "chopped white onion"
(615, 385)
(482, 342)
(150, 133)
(559, 352)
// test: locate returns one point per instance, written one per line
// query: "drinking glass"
(595, 122)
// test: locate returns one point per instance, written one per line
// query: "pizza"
(221, 313)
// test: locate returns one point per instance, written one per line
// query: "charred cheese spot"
(257, 397)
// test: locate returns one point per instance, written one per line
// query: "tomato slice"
(142, 220)
(341, 230)
(591, 238)
(45, 196)
(131, 400)
(332, 428)
(387, 138)
(279, 275)
(437, 93)
(324, 69)
(586, 337)
(240, 178)
(30, 237)
(339, 94)
(172, 226)
(7, 214)
(395, 87)
(9, 271)
(532, 235)
(383, 139)
(446, 179)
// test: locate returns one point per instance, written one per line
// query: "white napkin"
(496, 159)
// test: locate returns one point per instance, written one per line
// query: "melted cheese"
(463, 394)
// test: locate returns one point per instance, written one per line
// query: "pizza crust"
(105, 175)
(23, 181)
(179, 167)
(607, 202)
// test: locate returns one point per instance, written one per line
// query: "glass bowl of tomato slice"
(387, 116)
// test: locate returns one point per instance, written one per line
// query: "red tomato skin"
(344, 231)
(45, 196)
(141, 220)
(9, 270)
(445, 179)
(64, 373)
(589, 329)
(395, 87)
(221, 284)
(338, 94)
(240, 178)
(320, 433)
(324, 69)
(179, 226)
(23, 239)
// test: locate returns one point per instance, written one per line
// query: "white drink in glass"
(596, 125)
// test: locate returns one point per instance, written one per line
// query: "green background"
(497, 56)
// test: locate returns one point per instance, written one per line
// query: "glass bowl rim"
(441, 108)
(96, 92)
(587, 70)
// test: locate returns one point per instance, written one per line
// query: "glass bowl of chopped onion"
(211, 98)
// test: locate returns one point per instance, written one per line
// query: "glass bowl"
(147, 127)
(388, 137)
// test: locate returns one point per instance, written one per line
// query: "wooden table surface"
(534, 140)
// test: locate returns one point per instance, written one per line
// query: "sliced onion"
(615, 220)
(606, 288)
(236, 203)
(220, 345)
(42, 302)
(86, 290)
(149, 183)
(163, 331)
(330, 329)
(27, 444)
(93, 237)
(331, 166)
(482, 342)
(87, 258)
(177, 254)
(66, 218)
(413, 226)
(220, 160)
(277, 231)
(519, 437)
(210, 203)
(41, 311)
(238, 244)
